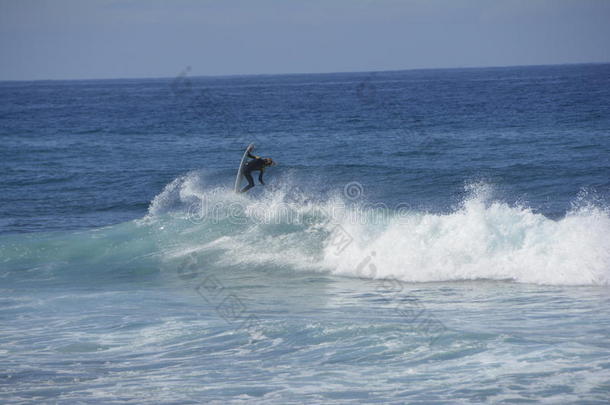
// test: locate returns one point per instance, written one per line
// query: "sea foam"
(482, 238)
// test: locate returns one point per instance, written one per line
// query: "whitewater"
(480, 239)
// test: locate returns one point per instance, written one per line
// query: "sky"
(78, 39)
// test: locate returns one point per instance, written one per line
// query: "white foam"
(482, 239)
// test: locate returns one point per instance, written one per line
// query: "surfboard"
(242, 164)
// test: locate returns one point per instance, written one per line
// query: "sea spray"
(482, 238)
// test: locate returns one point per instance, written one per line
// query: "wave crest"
(481, 239)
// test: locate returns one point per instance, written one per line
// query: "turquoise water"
(433, 236)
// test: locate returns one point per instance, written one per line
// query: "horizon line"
(303, 73)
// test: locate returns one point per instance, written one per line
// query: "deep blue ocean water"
(428, 236)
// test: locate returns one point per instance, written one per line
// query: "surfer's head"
(269, 162)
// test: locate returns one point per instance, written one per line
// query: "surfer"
(256, 164)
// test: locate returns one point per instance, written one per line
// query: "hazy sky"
(75, 39)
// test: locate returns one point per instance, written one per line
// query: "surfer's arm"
(260, 176)
(251, 156)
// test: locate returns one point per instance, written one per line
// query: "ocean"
(427, 237)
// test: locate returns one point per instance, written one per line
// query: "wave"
(482, 238)
(287, 229)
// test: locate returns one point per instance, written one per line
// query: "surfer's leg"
(248, 177)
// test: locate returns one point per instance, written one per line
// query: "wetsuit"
(256, 164)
